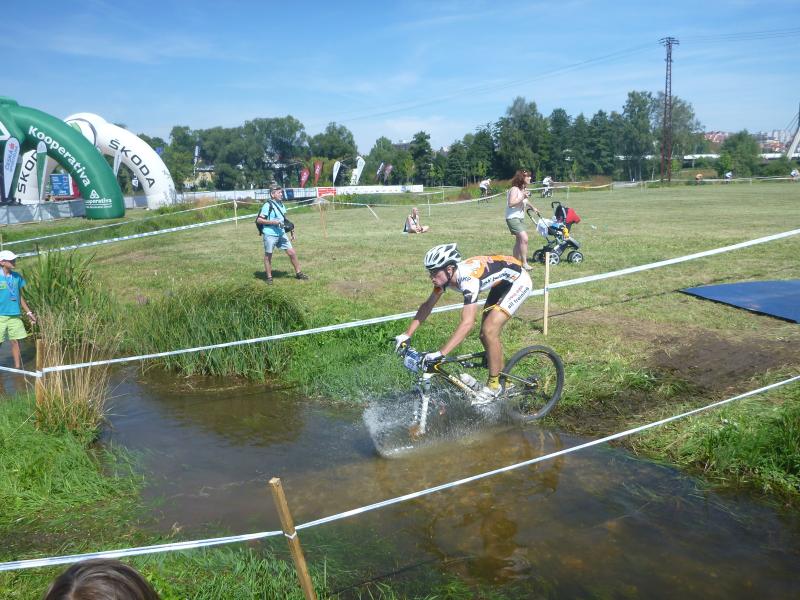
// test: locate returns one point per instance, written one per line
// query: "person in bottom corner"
(271, 216)
(11, 326)
(510, 285)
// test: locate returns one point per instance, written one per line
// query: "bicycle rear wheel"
(532, 381)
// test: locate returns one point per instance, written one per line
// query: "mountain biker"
(510, 285)
(547, 182)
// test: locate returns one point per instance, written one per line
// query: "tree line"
(621, 144)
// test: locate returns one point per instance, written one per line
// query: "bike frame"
(420, 417)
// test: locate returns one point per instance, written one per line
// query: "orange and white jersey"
(480, 273)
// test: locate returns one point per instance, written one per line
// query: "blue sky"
(394, 68)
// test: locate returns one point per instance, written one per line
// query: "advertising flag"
(10, 156)
(317, 171)
(378, 173)
(336, 167)
(117, 161)
(196, 154)
(135, 182)
(304, 177)
(160, 150)
(386, 172)
(360, 162)
(41, 167)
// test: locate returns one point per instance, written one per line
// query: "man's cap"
(7, 255)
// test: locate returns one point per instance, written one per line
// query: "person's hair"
(519, 179)
(100, 579)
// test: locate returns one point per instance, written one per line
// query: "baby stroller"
(557, 232)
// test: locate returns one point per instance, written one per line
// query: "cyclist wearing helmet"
(510, 285)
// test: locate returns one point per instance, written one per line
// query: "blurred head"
(414, 211)
(100, 579)
(276, 192)
(7, 259)
(521, 178)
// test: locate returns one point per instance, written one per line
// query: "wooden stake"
(235, 214)
(322, 219)
(546, 290)
(287, 524)
(39, 385)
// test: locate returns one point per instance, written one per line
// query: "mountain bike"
(530, 382)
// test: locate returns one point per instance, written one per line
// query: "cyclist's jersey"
(480, 273)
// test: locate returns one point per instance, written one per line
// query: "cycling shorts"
(508, 296)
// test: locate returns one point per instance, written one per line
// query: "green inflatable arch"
(101, 194)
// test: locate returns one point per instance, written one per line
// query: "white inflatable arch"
(111, 140)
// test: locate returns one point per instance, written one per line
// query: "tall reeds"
(204, 316)
(74, 400)
(75, 324)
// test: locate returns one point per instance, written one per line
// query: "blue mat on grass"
(777, 298)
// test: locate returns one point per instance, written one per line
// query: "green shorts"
(516, 225)
(12, 328)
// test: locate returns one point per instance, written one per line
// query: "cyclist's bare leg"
(492, 325)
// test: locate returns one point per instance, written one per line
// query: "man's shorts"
(516, 225)
(508, 296)
(12, 328)
(273, 241)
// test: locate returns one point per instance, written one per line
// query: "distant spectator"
(100, 579)
(272, 217)
(11, 326)
(728, 176)
(698, 179)
(795, 174)
(484, 186)
(413, 224)
(516, 203)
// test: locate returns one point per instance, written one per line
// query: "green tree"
(335, 142)
(579, 149)
(559, 129)
(637, 136)
(739, 153)
(687, 131)
(421, 154)
(522, 139)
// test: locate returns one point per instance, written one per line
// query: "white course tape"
(674, 261)
(396, 317)
(21, 371)
(138, 235)
(72, 558)
(452, 484)
(120, 224)
(57, 560)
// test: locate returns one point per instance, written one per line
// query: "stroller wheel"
(538, 256)
(555, 258)
(575, 257)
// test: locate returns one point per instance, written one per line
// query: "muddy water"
(598, 523)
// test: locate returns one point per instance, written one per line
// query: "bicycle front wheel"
(532, 381)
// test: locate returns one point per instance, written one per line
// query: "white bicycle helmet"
(441, 256)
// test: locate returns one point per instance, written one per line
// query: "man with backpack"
(277, 231)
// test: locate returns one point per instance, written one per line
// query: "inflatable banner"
(127, 149)
(97, 184)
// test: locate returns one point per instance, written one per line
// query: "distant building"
(401, 145)
(716, 137)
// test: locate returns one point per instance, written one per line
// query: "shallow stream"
(597, 523)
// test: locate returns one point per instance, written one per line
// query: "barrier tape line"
(57, 560)
(396, 317)
(120, 224)
(138, 235)
(171, 547)
(21, 371)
